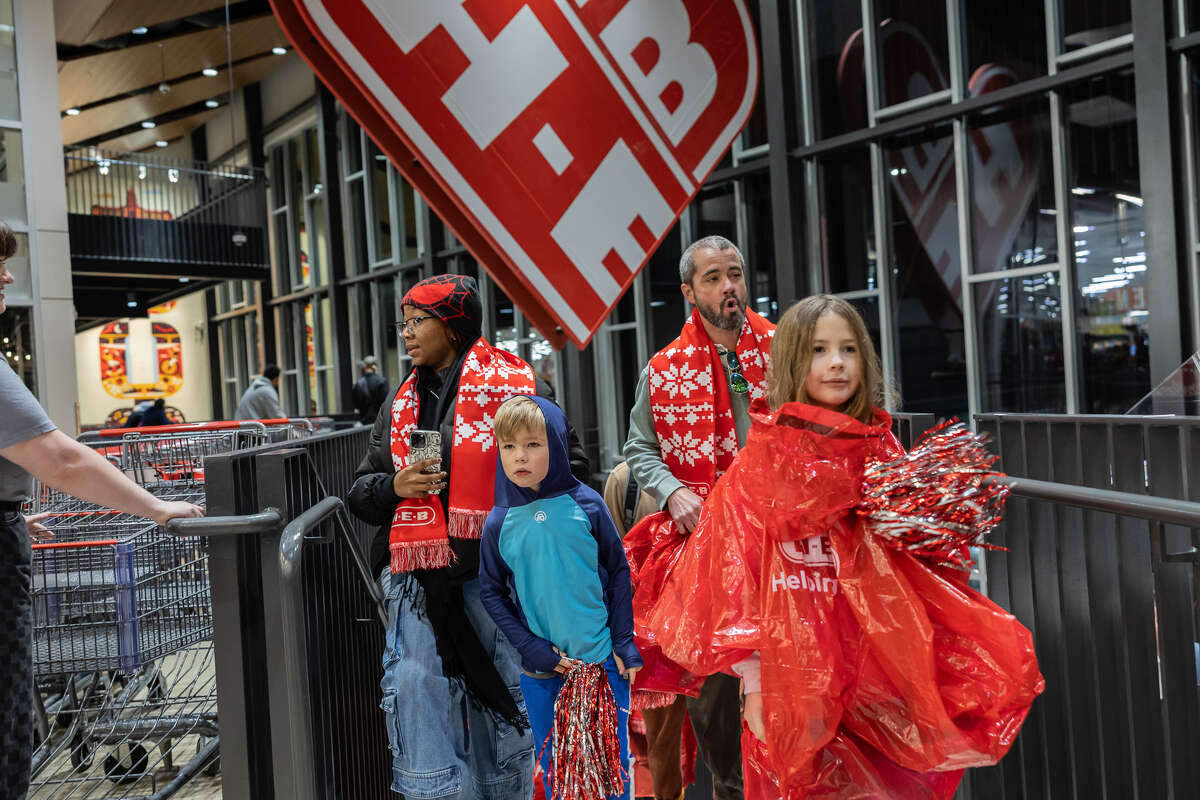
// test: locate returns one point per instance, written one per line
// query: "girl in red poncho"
(867, 672)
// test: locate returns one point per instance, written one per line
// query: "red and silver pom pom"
(587, 754)
(939, 498)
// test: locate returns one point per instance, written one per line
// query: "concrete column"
(46, 196)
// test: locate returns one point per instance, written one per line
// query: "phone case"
(432, 448)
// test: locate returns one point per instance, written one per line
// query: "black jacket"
(372, 499)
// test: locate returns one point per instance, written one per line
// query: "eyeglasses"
(411, 324)
(737, 381)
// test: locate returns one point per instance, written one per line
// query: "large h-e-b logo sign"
(560, 139)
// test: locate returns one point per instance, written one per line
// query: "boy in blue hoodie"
(552, 570)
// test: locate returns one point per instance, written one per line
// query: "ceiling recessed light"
(72, 112)
(147, 123)
(140, 30)
(209, 72)
(161, 143)
(212, 103)
(278, 50)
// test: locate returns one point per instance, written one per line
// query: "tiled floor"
(59, 783)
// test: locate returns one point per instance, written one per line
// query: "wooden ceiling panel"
(75, 19)
(140, 140)
(122, 16)
(119, 113)
(96, 77)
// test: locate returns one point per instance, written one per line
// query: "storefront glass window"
(911, 42)
(353, 144)
(868, 307)
(393, 350)
(759, 247)
(848, 255)
(1089, 22)
(281, 251)
(356, 227)
(715, 213)
(836, 62)
(10, 105)
(666, 307)
(542, 359)
(1019, 331)
(928, 273)
(504, 318)
(363, 323)
(1111, 270)
(1005, 43)
(755, 132)
(12, 174)
(1014, 214)
(408, 202)
(381, 208)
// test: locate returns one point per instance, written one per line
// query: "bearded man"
(690, 418)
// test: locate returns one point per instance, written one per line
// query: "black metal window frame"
(797, 177)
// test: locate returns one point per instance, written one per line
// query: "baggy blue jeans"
(540, 694)
(442, 747)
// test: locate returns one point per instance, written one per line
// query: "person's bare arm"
(59, 461)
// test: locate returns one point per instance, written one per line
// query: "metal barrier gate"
(1107, 581)
(264, 692)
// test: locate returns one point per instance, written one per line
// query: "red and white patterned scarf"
(689, 399)
(419, 533)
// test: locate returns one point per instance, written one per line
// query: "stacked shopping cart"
(125, 695)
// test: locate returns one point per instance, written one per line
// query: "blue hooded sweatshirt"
(552, 570)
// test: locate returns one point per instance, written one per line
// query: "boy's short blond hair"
(518, 414)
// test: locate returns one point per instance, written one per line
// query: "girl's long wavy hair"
(792, 353)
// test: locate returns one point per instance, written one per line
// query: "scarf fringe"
(466, 523)
(407, 556)
(646, 698)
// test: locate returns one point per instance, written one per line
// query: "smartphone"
(423, 445)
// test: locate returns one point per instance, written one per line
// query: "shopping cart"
(123, 653)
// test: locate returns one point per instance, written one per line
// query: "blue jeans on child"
(443, 747)
(539, 698)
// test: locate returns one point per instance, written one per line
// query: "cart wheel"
(126, 763)
(81, 752)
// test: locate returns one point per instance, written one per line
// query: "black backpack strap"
(632, 494)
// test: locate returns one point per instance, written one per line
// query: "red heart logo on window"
(559, 139)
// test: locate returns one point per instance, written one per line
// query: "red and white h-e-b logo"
(414, 516)
(559, 139)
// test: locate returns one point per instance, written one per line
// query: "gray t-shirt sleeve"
(22, 420)
(23, 417)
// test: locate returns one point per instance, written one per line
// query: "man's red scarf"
(689, 399)
(419, 535)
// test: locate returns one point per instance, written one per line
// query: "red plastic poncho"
(882, 676)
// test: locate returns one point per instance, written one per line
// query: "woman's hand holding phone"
(412, 482)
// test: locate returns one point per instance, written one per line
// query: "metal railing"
(150, 208)
(296, 615)
(1101, 565)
